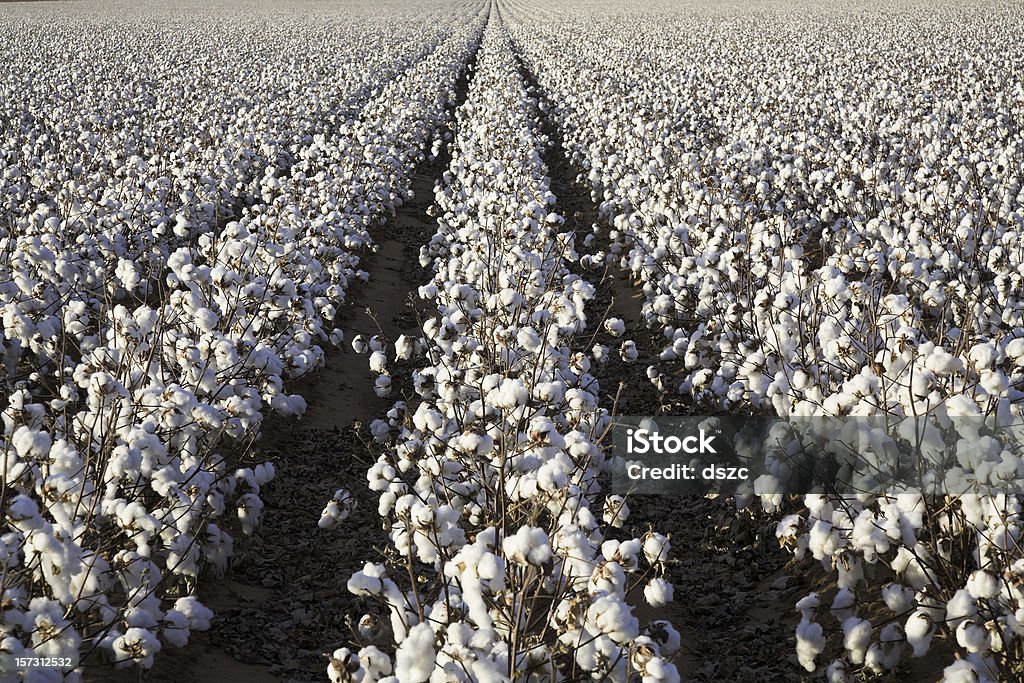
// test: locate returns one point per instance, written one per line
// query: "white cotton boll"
(807, 605)
(658, 592)
(137, 645)
(609, 614)
(250, 511)
(972, 636)
(838, 672)
(616, 511)
(1015, 351)
(856, 638)
(960, 607)
(810, 642)
(615, 326)
(897, 598)
(982, 585)
(529, 339)
(199, 616)
(375, 663)
(628, 351)
(344, 666)
(414, 659)
(656, 547)
(667, 637)
(359, 344)
(264, 473)
(600, 353)
(941, 362)
(378, 361)
(176, 628)
(337, 336)
(206, 319)
(961, 671)
(844, 605)
(404, 347)
(382, 386)
(337, 510)
(919, 630)
(528, 546)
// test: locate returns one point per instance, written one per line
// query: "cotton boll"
(844, 605)
(338, 510)
(176, 628)
(382, 386)
(137, 646)
(656, 547)
(374, 662)
(807, 605)
(414, 659)
(897, 598)
(919, 630)
(856, 638)
(404, 347)
(628, 351)
(961, 671)
(972, 636)
(611, 615)
(616, 511)
(667, 638)
(344, 666)
(982, 585)
(658, 592)
(615, 326)
(528, 546)
(378, 361)
(810, 642)
(960, 607)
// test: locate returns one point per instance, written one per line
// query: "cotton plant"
(490, 483)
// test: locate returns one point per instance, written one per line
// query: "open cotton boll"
(628, 351)
(414, 659)
(137, 646)
(897, 598)
(359, 344)
(176, 628)
(656, 547)
(528, 546)
(919, 629)
(960, 607)
(982, 585)
(616, 511)
(810, 642)
(844, 605)
(615, 326)
(378, 361)
(857, 638)
(658, 592)
(337, 510)
(963, 671)
(344, 666)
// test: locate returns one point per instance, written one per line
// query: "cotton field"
(424, 256)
